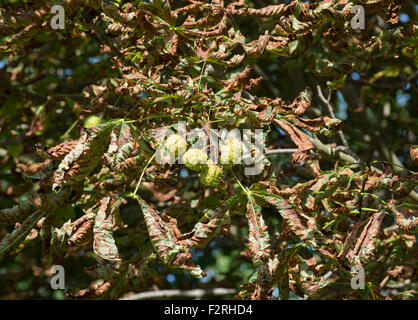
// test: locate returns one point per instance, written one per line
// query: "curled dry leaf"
(164, 240)
(302, 141)
(413, 151)
(104, 244)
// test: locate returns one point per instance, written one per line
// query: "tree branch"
(332, 114)
(337, 153)
(396, 85)
(174, 293)
(275, 151)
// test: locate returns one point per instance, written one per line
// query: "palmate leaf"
(302, 225)
(163, 235)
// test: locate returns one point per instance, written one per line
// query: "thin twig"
(275, 151)
(142, 174)
(327, 102)
(196, 293)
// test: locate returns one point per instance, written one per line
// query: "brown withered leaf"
(160, 196)
(164, 234)
(32, 169)
(259, 240)
(392, 15)
(365, 244)
(58, 152)
(201, 50)
(302, 102)
(315, 125)
(302, 141)
(213, 223)
(242, 81)
(95, 290)
(413, 151)
(104, 244)
(406, 219)
(84, 233)
(287, 192)
(257, 47)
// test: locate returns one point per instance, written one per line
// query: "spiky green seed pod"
(231, 152)
(176, 144)
(211, 176)
(195, 159)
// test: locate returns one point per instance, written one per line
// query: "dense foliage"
(81, 114)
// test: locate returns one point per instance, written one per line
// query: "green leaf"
(293, 46)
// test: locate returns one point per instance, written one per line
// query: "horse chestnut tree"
(320, 179)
